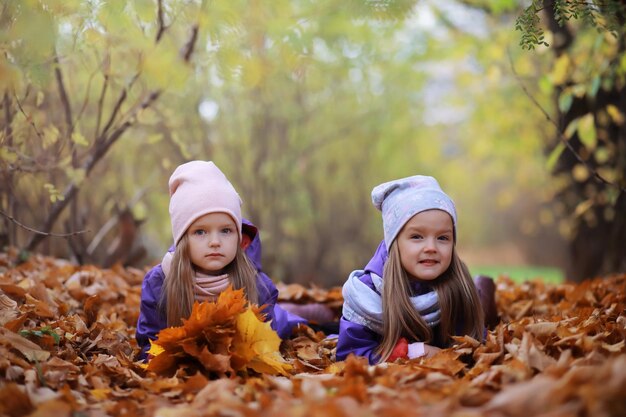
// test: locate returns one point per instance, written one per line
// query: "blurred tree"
(588, 153)
(72, 87)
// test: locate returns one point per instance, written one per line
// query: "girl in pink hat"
(209, 255)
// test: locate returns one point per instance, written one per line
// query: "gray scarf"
(363, 305)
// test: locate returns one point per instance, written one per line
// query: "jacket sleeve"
(268, 294)
(281, 321)
(285, 321)
(357, 339)
(150, 321)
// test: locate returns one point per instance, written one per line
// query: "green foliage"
(521, 274)
(528, 24)
(603, 16)
(55, 195)
(44, 331)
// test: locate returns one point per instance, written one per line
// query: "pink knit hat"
(198, 188)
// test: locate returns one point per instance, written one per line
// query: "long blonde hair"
(177, 296)
(458, 301)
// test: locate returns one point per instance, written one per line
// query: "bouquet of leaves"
(219, 339)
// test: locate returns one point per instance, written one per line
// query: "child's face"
(425, 243)
(213, 242)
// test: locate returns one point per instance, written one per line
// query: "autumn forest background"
(516, 107)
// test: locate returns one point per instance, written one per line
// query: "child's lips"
(214, 255)
(428, 262)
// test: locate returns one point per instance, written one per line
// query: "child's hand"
(431, 350)
(400, 350)
(420, 349)
(416, 350)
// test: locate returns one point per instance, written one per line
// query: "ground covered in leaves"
(67, 348)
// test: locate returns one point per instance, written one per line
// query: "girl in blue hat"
(416, 293)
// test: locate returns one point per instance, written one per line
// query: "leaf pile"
(219, 338)
(67, 347)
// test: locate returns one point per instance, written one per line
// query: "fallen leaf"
(30, 350)
(257, 346)
(14, 401)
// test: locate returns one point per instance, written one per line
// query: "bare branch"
(86, 99)
(191, 43)
(97, 239)
(65, 101)
(160, 21)
(122, 128)
(103, 92)
(30, 164)
(562, 136)
(116, 109)
(70, 191)
(95, 242)
(77, 247)
(39, 232)
(8, 120)
(28, 118)
(8, 175)
(102, 143)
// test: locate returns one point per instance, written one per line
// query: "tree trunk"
(597, 243)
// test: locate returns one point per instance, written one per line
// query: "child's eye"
(446, 238)
(416, 236)
(199, 232)
(227, 230)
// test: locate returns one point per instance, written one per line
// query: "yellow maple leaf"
(100, 394)
(256, 346)
(155, 349)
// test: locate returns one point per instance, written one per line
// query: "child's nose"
(214, 239)
(431, 244)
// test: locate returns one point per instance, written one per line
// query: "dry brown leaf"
(14, 401)
(56, 408)
(30, 350)
(446, 361)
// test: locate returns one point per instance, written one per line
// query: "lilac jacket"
(152, 320)
(356, 338)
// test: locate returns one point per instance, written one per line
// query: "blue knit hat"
(402, 199)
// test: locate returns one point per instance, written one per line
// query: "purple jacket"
(356, 338)
(151, 320)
